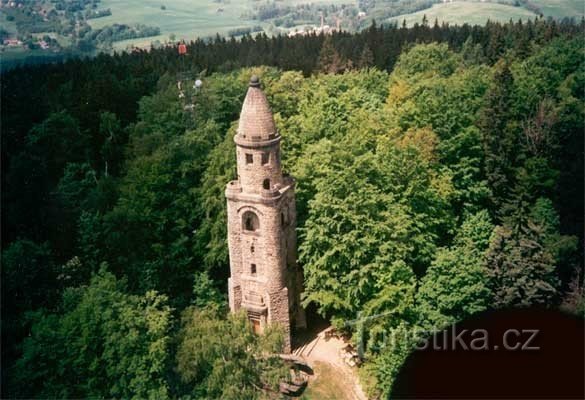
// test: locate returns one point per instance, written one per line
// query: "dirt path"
(321, 350)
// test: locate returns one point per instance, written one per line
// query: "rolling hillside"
(470, 12)
(190, 19)
(184, 18)
(561, 8)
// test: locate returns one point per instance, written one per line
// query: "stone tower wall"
(265, 279)
(250, 176)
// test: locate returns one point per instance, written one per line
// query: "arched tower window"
(250, 221)
(266, 184)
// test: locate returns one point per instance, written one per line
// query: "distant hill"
(477, 13)
(49, 30)
(189, 19)
(561, 8)
(470, 12)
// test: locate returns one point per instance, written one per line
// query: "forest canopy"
(439, 170)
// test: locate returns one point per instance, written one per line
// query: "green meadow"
(186, 19)
(181, 17)
(473, 13)
(8, 26)
(189, 19)
(561, 8)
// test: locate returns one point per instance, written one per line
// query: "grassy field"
(561, 8)
(473, 13)
(8, 26)
(325, 385)
(187, 19)
(181, 17)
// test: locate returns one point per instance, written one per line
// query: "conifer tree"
(498, 135)
(521, 268)
(330, 62)
(366, 58)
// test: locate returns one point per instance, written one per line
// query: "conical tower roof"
(256, 121)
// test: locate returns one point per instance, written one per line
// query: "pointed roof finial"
(254, 81)
(256, 121)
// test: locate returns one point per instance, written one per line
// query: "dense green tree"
(369, 225)
(284, 94)
(212, 234)
(366, 58)
(28, 277)
(534, 178)
(427, 60)
(464, 155)
(381, 370)
(150, 230)
(205, 292)
(57, 141)
(330, 106)
(499, 135)
(34, 175)
(448, 103)
(562, 247)
(75, 186)
(124, 235)
(221, 357)
(548, 90)
(472, 53)
(456, 284)
(29, 281)
(521, 268)
(348, 251)
(105, 344)
(330, 62)
(113, 140)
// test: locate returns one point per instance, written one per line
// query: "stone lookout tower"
(265, 279)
